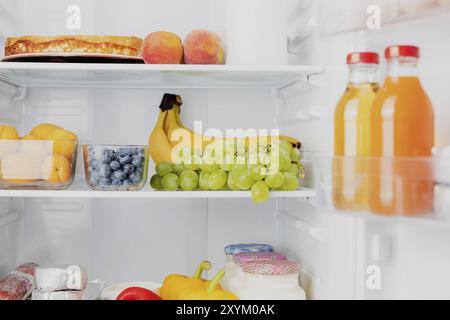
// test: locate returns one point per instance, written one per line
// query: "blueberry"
(137, 161)
(114, 165)
(105, 181)
(93, 163)
(116, 182)
(135, 177)
(125, 160)
(105, 171)
(128, 168)
(127, 182)
(107, 159)
(122, 152)
(120, 175)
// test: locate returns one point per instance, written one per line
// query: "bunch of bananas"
(170, 135)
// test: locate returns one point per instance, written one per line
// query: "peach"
(64, 142)
(202, 47)
(56, 168)
(8, 137)
(42, 131)
(162, 48)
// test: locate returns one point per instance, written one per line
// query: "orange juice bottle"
(402, 130)
(352, 133)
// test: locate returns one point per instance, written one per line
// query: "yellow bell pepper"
(175, 284)
(208, 290)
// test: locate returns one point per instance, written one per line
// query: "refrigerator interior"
(130, 239)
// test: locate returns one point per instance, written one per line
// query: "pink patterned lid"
(271, 268)
(244, 257)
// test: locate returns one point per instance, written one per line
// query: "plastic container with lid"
(240, 248)
(271, 280)
(234, 274)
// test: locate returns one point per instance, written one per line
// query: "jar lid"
(363, 57)
(271, 268)
(238, 248)
(245, 257)
(402, 51)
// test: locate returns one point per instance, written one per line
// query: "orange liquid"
(352, 140)
(402, 126)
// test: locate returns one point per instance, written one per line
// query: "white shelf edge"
(158, 67)
(149, 194)
(31, 74)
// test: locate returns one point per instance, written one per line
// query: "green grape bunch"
(233, 167)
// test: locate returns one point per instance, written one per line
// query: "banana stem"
(215, 281)
(203, 266)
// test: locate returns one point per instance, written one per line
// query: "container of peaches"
(43, 159)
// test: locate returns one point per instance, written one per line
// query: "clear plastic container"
(37, 164)
(115, 168)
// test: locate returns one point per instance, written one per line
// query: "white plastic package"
(51, 279)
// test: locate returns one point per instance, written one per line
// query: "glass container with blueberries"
(115, 168)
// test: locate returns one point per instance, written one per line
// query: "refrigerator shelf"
(431, 220)
(80, 190)
(25, 74)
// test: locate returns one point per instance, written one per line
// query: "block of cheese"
(51, 279)
(58, 295)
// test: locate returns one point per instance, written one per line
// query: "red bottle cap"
(363, 57)
(402, 51)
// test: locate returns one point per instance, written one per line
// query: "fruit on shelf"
(256, 164)
(202, 47)
(170, 137)
(46, 154)
(44, 130)
(275, 180)
(260, 192)
(8, 132)
(156, 182)
(159, 145)
(56, 168)
(137, 293)
(188, 180)
(164, 168)
(162, 48)
(116, 168)
(171, 182)
(64, 142)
